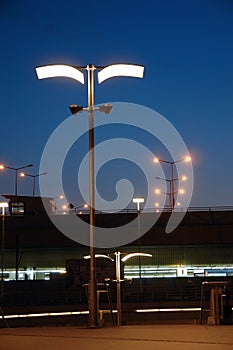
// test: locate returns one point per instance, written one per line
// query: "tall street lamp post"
(2, 167)
(34, 180)
(172, 180)
(104, 73)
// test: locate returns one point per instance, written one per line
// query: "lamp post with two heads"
(118, 273)
(76, 73)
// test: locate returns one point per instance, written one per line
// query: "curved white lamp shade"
(59, 70)
(131, 255)
(99, 256)
(115, 70)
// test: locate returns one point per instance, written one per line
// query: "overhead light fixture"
(75, 108)
(60, 70)
(99, 256)
(107, 108)
(131, 255)
(138, 200)
(116, 70)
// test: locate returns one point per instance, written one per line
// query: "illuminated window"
(17, 208)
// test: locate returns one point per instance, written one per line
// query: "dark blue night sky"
(187, 50)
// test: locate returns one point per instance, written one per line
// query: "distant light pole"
(172, 192)
(138, 201)
(76, 73)
(3, 206)
(118, 274)
(2, 167)
(34, 180)
(54, 201)
(172, 180)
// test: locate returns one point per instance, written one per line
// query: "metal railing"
(158, 210)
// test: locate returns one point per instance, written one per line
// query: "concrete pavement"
(162, 337)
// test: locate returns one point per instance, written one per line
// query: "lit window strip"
(67, 313)
(70, 313)
(169, 310)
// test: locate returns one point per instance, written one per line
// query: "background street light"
(3, 166)
(54, 203)
(34, 180)
(75, 209)
(138, 201)
(172, 179)
(59, 197)
(104, 73)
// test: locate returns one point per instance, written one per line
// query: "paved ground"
(161, 337)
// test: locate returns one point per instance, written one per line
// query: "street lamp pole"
(138, 201)
(76, 73)
(172, 179)
(118, 286)
(172, 194)
(2, 166)
(34, 180)
(92, 282)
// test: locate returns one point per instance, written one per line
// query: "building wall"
(203, 239)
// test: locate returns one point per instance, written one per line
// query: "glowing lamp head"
(2, 167)
(156, 160)
(138, 200)
(157, 191)
(59, 70)
(132, 255)
(116, 70)
(3, 206)
(184, 178)
(187, 159)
